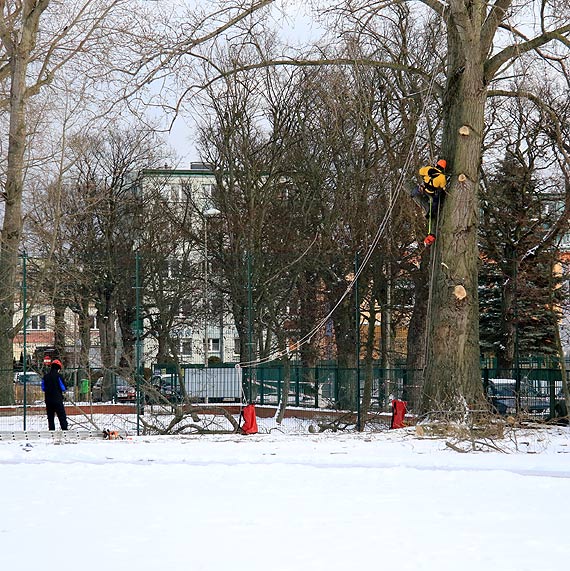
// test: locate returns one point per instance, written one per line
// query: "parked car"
(169, 387)
(118, 389)
(171, 391)
(161, 388)
(502, 396)
(31, 378)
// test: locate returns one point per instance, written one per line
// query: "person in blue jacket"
(54, 387)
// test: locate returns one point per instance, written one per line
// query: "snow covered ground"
(282, 502)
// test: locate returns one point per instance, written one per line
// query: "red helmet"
(57, 362)
(442, 163)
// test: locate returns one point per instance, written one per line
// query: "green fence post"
(249, 324)
(25, 331)
(552, 393)
(316, 387)
(357, 341)
(138, 339)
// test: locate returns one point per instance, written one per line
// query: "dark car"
(502, 396)
(169, 387)
(117, 389)
(163, 388)
(171, 390)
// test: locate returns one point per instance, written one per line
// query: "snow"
(283, 501)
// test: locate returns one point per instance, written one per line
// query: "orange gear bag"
(249, 420)
(398, 413)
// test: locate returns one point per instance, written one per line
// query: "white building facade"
(212, 335)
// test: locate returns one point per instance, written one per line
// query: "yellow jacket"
(433, 178)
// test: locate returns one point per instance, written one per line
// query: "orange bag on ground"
(398, 413)
(249, 420)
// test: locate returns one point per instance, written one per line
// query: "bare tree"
(172, 267)
(252, 196)
(89, 235)
(39, 42)
(472, 66)
(35, 49)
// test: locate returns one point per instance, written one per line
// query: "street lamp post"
(208, 213)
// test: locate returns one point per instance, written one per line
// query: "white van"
(31, 378)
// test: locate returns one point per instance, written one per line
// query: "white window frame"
(211, 344)
(207, 190)
(38, 322)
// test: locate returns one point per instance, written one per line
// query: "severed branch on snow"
(192, 419)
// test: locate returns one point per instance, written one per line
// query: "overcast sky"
(296, 28)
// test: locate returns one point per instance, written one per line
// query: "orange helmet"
(442, 163)
(57, 362)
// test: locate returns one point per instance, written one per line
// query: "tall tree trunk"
(506, 353)
(453, 378)
(84, 334)
(106, 319)
(416, 341)
(345, 329)
(126, 314)
(509, 316)
(368, 364)
(386, 337)
(18, 46)
(286, 384)
(309, 304)
(563, 373)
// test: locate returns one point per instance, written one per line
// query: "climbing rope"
(378, 235)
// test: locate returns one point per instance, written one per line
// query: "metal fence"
(103, 399)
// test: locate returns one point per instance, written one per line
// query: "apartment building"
(211, 333)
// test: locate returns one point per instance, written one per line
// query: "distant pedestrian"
(54, 387)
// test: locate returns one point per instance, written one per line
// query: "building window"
(186, 347)
(207, 190)
(172, 192)
(237, 346)
(38, 322)
(213, 345)
(186, 191)
(94, 323)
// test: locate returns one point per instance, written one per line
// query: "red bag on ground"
(398, 412)
(249, 420)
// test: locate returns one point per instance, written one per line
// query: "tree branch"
(492, 22)
(515, 50)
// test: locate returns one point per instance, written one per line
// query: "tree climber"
(428, 193)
